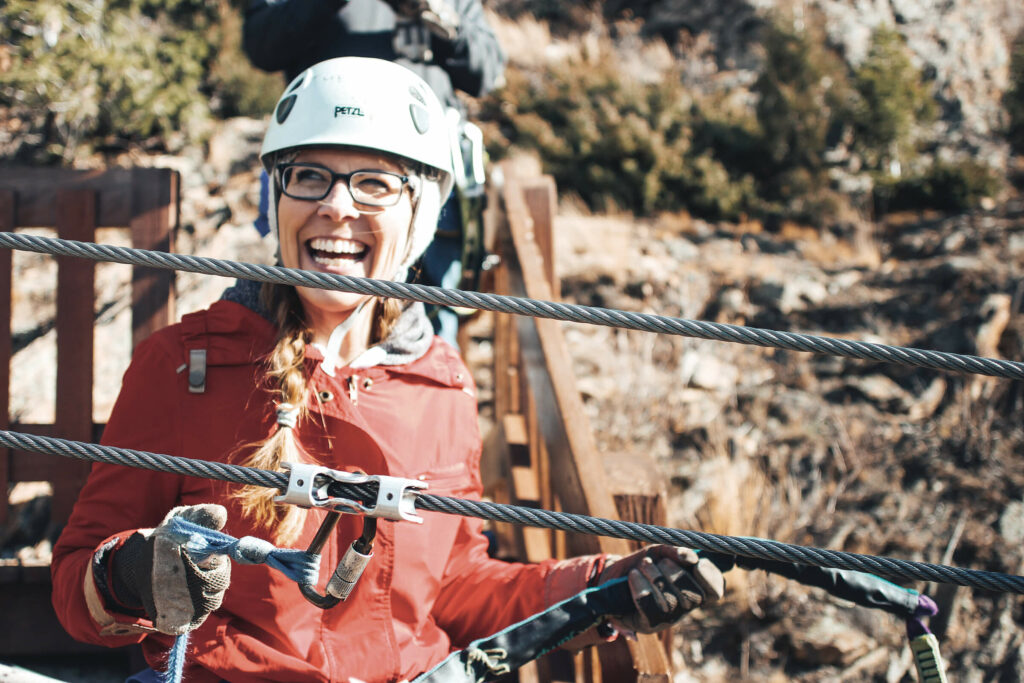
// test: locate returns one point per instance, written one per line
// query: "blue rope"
(201, 542)
(175, 661)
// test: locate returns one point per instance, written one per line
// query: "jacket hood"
(408, 341)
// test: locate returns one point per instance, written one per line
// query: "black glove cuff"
(128, 574)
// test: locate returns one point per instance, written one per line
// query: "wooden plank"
(34, 187)
(8, 202)
(525, 486)
(575, 464)
(75, 220)
(638, 488)
(154, 213)
(34, 629)
(539, 195)
(582, 485)
(502, 328)
(540, 467)
(515, 429)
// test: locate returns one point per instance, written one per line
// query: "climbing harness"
(845, 575)
(487, 658)
(865, 590)
(469, 160)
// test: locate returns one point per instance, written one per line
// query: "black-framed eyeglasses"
(314, 182)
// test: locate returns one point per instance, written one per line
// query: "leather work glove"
(152, 571)
(665, 583)
(438, 16)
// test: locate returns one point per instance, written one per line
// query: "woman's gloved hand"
(152, 571)
(665, 583)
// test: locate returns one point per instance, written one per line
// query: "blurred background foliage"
(87, 75)
(655, 146)
(82, 77)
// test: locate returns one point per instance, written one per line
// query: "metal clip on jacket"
(308, 486)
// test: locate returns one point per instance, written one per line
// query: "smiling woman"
(345, 381)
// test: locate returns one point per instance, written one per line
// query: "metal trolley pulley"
(309, 487)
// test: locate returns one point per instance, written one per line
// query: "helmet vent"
(284, 108)
(420, 117)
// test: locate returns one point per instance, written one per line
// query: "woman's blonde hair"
(288, 379)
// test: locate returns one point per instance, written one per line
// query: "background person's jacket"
(429, 588)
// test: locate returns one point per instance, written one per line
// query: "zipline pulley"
(308, 486)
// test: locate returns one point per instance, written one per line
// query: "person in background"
(448, 43)
(359, 161)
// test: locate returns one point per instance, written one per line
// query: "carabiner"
(349, 569)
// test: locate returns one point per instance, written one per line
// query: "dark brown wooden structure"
(75, 204)
(545, 454)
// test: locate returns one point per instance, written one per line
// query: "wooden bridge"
(540, 453)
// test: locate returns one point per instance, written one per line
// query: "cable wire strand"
(634, 531)
(646, 322)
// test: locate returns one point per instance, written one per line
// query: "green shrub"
(893, 100)
(236, 87)
(614, 141)
(944, 186)
(803, 95)
(95, 73)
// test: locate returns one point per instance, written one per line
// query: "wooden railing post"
(154, 208)
(76, 220)
(76, 202)
(564, 469)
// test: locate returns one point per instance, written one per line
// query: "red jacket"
(429, 588)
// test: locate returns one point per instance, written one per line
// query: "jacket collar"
(408, 341)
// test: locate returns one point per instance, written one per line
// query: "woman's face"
(337, 235)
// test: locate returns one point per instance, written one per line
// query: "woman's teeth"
(335, 252)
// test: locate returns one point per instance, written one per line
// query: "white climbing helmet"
(370, 104)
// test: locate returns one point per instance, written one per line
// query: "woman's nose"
(338, 203)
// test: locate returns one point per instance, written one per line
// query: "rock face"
(962, 46)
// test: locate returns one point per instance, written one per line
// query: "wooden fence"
(75, 204)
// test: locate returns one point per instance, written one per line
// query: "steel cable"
(746, 547)
(938, 360)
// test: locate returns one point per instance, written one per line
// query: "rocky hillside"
(817, 450)
(963, 48)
